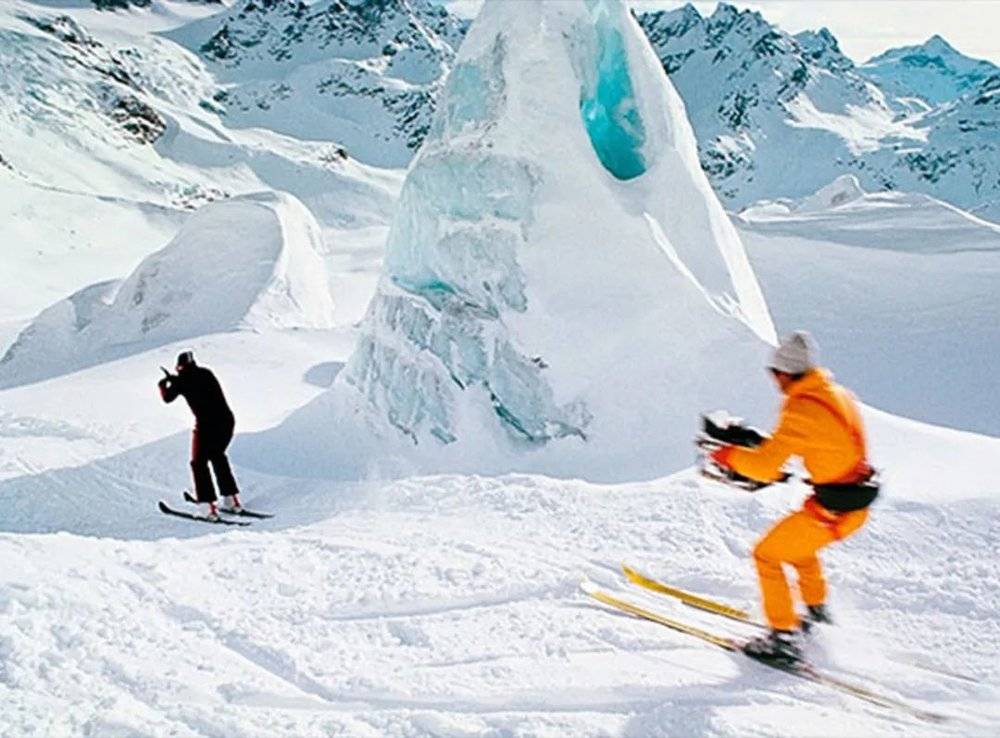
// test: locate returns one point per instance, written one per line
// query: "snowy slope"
(448, 606)
(112, 127)
(251, 262)
(901, 290)
(363, 74)
(380, 603)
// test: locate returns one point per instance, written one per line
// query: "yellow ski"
(687, 598)
(803, 671)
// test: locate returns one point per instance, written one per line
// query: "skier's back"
(213, 429)
(203, 393)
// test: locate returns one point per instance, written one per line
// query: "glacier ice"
(607, 101)
(560, 282)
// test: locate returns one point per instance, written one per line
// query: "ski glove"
(721, 456)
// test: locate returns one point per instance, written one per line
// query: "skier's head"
(185, 359)
(794, 357)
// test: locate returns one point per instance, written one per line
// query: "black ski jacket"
(204, 396)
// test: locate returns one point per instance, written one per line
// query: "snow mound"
(843, 213)
(559, 271)
(842, 190)
(248, 263)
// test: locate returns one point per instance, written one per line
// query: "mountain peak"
(934, 71)
(937, 45)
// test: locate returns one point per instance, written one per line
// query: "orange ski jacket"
(820, 423)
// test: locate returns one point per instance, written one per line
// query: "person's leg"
(812, 584)
(796, 538)
(223, 471)
(204, 490)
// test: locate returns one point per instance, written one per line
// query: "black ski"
(167, 510)
(243, 513)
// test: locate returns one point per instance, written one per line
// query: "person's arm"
(764, 462)
(169, 387)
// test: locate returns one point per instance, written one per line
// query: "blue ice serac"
(607, 102)
(436, 330)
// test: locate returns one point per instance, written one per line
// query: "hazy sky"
(863, 27)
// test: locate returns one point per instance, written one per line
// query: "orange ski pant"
(795, 540)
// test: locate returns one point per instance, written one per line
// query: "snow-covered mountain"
(363, 74)
(775, 114)
(934, 72)
(112, 127)
(778, 115)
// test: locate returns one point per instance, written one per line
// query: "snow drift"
(252, 262)
(559, 276)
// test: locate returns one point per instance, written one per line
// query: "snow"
(910, 288)
(487, 306)
(250, 262)
(389, 599)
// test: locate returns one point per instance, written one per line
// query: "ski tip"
(163, 506)
(588, 586)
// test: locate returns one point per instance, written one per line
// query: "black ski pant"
(208, 446)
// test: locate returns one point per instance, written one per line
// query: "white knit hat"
(796, 354)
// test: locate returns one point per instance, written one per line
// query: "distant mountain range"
(775, 114)
(781, 115)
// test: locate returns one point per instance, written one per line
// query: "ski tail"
(692, 600)
(641, 612)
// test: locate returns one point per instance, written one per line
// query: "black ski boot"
(816, 615)
(781, 647)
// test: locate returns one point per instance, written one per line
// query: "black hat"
(184, 358)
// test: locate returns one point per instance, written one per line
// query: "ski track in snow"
(449, 606)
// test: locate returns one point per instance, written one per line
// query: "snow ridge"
(251, 262)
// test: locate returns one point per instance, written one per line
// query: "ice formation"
(558, 267)
(249, 262)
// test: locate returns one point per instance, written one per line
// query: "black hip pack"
(847, 497)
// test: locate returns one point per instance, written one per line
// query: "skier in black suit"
(213, 430)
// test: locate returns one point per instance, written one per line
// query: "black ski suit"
(213, 428)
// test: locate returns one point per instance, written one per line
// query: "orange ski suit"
(820, 423)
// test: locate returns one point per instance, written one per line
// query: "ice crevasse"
(558, 270)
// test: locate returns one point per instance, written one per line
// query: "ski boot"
(231, 504)
(213, 512)
(780, 647)
(816, 615)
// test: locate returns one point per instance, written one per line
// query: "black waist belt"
(847, 497)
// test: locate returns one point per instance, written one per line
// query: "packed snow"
(585, 276)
